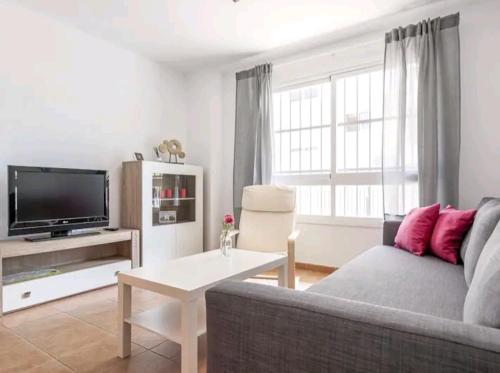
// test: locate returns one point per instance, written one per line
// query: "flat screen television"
(56, 200)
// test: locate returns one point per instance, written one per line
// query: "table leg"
(189, 352)
(124, 312)
(283, 275)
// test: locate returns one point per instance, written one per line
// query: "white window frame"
(333, 178)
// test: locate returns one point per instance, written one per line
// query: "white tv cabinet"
(165, 202)
(81, 264)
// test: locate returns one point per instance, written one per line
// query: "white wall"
(68, 99)
(205, 141)
(480, 89)
(480, 152)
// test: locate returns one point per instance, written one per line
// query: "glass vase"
(225, 244)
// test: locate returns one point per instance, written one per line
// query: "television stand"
(61, 235)
(37, 272)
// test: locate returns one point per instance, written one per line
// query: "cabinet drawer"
(29, 293)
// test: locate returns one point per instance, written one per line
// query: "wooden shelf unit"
(144, 200)
(84, 263)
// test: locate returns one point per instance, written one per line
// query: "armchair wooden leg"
(291, 259)
(291, 272)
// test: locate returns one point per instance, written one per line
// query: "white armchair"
(267, 222)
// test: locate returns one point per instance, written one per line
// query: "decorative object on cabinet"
(170, 220)
(139, 156)
(157, 153)
(167, 217)
(174, 148)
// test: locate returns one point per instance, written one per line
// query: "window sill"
(354, 222)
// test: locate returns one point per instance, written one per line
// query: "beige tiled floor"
(79, 334)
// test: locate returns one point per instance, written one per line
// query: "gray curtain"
(252, 138)
(421, 136)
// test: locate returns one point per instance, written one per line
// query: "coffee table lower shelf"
(165, 320)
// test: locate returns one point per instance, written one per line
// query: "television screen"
(51, 199)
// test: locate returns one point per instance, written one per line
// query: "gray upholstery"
(465, 243)
(257, 328)
(390, 230)
(486, 220)
(391, 277)
(482, 304)
(385, 311)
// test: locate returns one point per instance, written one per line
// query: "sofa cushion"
(451, 227)
(414, 233)
(395, 278)
(482, 303)
(485, 222)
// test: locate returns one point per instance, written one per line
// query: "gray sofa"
(385, 311)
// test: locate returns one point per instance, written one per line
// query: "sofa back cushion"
(415, 231)
(465, 243)
(482, 302)
(485, 222)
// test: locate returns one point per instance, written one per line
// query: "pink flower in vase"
(228, 219)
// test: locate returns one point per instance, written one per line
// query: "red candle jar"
(183, 193)
(168, 193)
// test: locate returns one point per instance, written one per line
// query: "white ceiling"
(194, 33)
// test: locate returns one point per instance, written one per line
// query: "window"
(342, 179)
(302, 151)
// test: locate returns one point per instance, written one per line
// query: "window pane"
(364, 97)
(376, 94)
(339, 200)
(351, 146)
(376, 201)
(350, 200)
(339, 101)
(351, 99)
(364, 145)
(325, 148)
(326, 197)
(390, 134)
(285, 151)
(363, 201)
(305, 111)
(326, 103)
(295, 152)
(316, 199)
(316, 106)
(285, 110)
(277, 153)
(295, 98)
(305, 200)
(340, 148)
(313, 200)
(376, 145)
(305, 153)
(276, 111)
(316, 149)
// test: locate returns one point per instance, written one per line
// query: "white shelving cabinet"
(165, 202)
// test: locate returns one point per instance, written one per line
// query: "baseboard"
(315, 267)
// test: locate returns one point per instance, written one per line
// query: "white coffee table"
(187, 279)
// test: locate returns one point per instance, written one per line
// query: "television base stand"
(39, 272)
(60, 236)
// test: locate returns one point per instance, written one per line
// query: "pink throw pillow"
(415, 231)
(451, 227)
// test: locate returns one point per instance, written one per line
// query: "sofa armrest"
(390, 230)
(258, 328)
